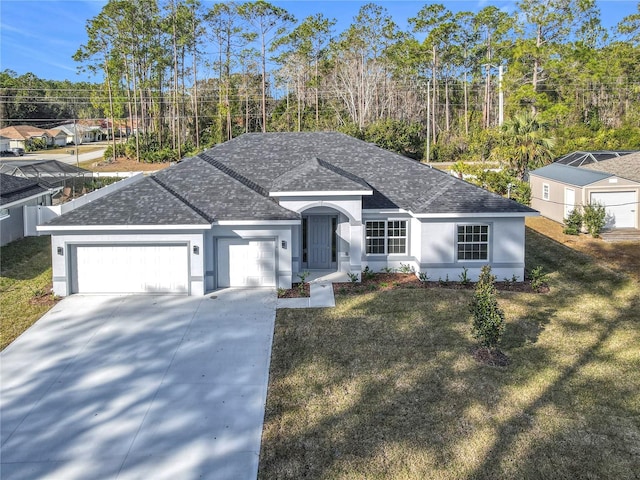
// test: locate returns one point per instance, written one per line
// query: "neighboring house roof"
(13, 189)
(54, 132)
(581, 158)
(570, 175)
(49, 172)
(234, 181)
(22, 132)
(627, 166)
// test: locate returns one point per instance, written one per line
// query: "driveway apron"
(139, 387)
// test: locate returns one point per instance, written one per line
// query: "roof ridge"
(182, 199)
(235, 175)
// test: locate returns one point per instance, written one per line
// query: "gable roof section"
(397, 182)
(13, 189)
(316, 175)
(627, 166)
(578, 177)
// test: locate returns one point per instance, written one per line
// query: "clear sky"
(40, 36)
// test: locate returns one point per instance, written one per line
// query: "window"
(386, 237)
(4, 213)
(473, 242)
(545, 191)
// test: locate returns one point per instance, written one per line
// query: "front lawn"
(384, 385)
(25, 285)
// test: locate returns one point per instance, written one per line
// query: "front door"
(319, 242)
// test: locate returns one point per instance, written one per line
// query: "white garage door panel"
(246, 263)
(131, 269)
(620, 206)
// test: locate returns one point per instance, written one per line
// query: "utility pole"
(428, 120)
(75, 133)
(500, 96)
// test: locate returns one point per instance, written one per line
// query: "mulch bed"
(44, 298)
(294, 291)
(393, 281)
(492, 358)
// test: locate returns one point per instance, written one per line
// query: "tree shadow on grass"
(384, 386)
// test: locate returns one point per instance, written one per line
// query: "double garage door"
(620, 206)
(130, 269)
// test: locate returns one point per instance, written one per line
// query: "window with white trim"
(473, 242)
(386, 237)
(545, 191)
(4, 213)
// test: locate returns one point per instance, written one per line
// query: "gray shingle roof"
(232, 181)
(141, 203)
(627, 166)
(397, 181)
(315, 175)
(570, 175)
(13, 189)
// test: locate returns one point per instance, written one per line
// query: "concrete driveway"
(141, 387)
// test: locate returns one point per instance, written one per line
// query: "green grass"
(384, 386)
(25, 280)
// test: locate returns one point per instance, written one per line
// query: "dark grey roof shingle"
(14, 188)
(396, 180)
(141, 203)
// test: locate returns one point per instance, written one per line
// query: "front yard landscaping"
(25, 285)
(385, 386)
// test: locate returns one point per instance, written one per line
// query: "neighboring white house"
(557, 189)
(259, 209)
(15, 194)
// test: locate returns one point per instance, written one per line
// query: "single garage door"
(621, 208)
(246, 263)
(130, 269)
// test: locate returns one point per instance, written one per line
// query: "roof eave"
(92, 228)
(532, 213)
(321, 193)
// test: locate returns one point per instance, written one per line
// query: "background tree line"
(185, 77)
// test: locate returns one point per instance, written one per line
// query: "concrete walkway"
(321, 291)
(139, 387)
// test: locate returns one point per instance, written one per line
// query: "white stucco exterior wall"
(350, 228)
(506, 248)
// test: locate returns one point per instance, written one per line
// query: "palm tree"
(524, 143)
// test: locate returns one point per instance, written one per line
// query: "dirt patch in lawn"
(124, 165)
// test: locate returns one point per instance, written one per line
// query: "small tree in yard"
(488, 317)
(573, 222)
(594, 218)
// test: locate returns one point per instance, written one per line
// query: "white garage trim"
(130, 268)
(620, 206)
(246, 262)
